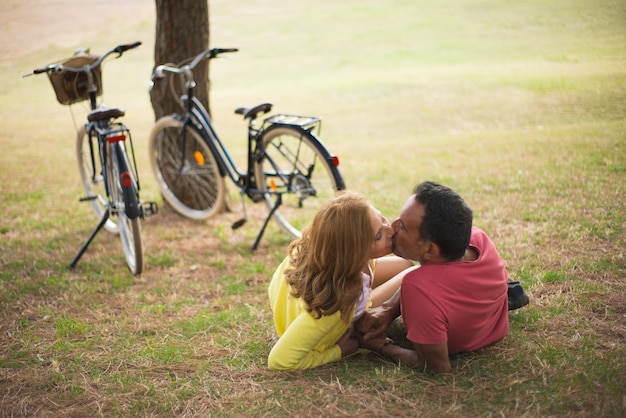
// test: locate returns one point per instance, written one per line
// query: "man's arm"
(435, 356)
(374, 323)
(432, 357)
(348, 343)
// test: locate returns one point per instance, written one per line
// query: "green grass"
(519, 106)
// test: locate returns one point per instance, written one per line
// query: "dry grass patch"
(519, 108)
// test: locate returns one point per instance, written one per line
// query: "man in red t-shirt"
(456, 299)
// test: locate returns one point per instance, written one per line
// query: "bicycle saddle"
(104, 114)
(252, 113)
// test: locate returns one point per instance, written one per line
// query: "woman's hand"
(348, 343)
(373, 344)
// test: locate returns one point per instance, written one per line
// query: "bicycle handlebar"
(186, 69)
(119, 50)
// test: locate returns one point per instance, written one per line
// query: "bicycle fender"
(131, 206)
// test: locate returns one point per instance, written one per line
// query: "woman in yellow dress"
(332, 274)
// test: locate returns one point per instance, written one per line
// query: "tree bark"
(182, 32)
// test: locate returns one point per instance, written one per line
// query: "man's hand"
(374, 323)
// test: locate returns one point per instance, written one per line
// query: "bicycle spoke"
(186, 170)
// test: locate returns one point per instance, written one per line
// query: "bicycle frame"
(198, 117)
(106, 130)
(112, 132)
(111, 138)
(268, 174)
(197, 114)
(110, 178)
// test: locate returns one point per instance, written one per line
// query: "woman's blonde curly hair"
(327, 261)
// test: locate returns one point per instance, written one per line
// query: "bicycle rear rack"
(306, 122)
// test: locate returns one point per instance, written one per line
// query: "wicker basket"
(72, 87)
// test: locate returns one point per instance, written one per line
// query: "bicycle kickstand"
(240, 222)
(277, 203)
(105, 217)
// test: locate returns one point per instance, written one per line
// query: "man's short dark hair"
(447, 220)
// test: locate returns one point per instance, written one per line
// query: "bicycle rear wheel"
(92, 176)
(125, 207)
(298, 166)
(186, 169)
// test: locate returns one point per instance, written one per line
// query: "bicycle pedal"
(87, 198)
(239, 223)
(149, 209)
(256, 197)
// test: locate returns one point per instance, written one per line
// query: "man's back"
(463, 303)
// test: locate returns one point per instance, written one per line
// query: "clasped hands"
(368, 332)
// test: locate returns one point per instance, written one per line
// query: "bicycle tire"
(297, 165)
(125, 207)
(92, 179)
(185, 169)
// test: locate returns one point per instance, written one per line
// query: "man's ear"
(432, 253)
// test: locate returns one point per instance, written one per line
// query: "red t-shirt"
(463, 303)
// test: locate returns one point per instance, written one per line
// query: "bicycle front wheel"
(125, 207)
(92, 176)
(186, 169)
(296, 165)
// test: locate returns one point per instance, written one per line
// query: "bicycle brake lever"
(123, 48)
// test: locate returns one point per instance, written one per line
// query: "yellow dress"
(304, 341)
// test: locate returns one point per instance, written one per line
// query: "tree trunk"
(182, 32)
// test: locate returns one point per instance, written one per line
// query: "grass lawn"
(518, 106)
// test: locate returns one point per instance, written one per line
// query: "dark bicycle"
(288, 167)
(106, 158)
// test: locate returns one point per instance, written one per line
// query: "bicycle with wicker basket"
(288, 167)
(104, 148)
